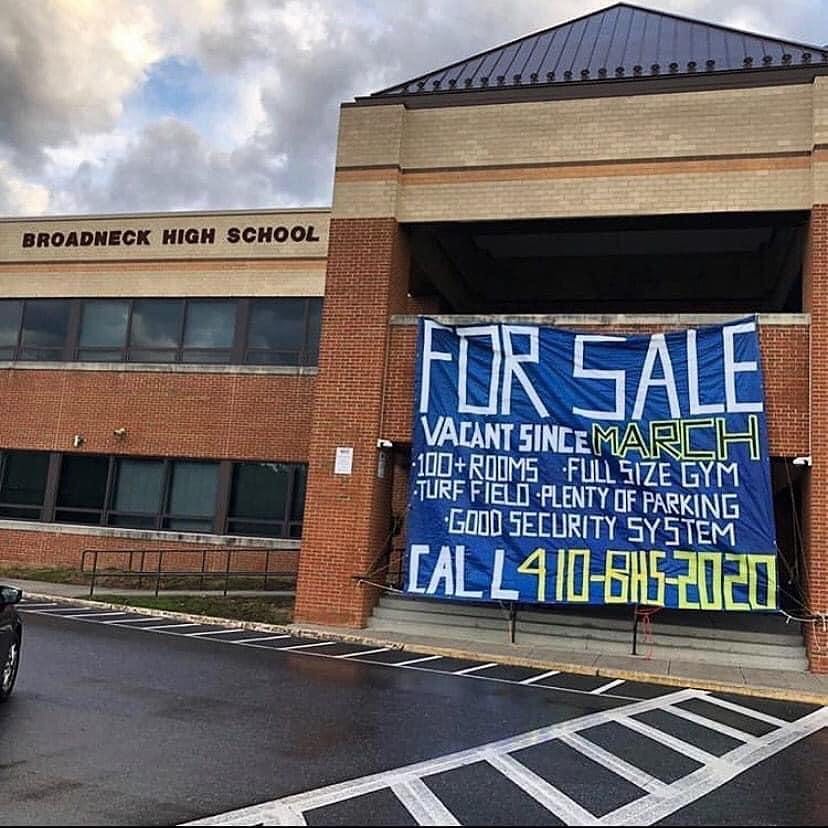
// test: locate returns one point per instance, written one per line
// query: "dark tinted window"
(10, 313)
(137, 498)
(45, 323)
(276, 333)
(209, 331)
(156, 330)
(192, 499)
(82, 489)
(260, 498)
(23, 484)
(103, 330)
(314, 331)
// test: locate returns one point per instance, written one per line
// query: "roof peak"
(623, 40)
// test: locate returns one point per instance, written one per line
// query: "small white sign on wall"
(344, 462)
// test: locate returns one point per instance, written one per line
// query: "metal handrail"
(158, 571)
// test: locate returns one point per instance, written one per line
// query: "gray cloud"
(300, 59)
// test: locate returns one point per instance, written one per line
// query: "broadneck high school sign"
(267, 234)
(260, 235)
(554, 467)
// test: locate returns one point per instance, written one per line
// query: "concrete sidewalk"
(780, 684)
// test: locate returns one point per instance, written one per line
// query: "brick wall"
(216, 416)
(348, 516)
(44, 548)
(210, 416)
(816, 490)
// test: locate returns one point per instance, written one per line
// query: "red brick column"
(347, 518)
(816, 495)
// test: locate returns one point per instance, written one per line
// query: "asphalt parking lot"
(123, 719)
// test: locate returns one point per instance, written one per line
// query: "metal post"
(203, 566)
(94, 572)
(512, 622)
(635, 630)
(267, 566)
(141, 576)
(227, 572)
(158, 576)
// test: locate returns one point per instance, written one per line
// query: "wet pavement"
(123, 719)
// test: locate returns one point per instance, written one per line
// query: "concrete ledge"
(160, 368)
(574, 320)
(807, 688)
(276, 544)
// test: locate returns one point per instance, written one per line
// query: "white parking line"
(541, 791)
(614, 763)
(746, 711)
(649, 810)
(476, 669)
(678, 745)
(97, 614)
(145, 619)
(416, 661)
(603, 689)
(261, 638)
(27, 606)
(365, 652)
(211, 632)
(170, 626)
(58, 610)
(306, 646)
(422, 804)
(718, 727)
(540, 676)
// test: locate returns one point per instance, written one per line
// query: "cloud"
(19, 197)
(148, 105)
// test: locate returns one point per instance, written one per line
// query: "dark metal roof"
(620, 42)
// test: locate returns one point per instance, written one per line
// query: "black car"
(11, 636)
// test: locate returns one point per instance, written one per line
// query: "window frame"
(220, 520)
(302, 353)
(62, 351)
(237, 354)
(286, 521)
(36, 510)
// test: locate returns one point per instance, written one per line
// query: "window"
(314, 332)
(279, 331)
(81, 496)
(23, 484)
(297, 506)
(139, 485)
(266, 499)
(209, 331)
(283, 332)
(45, 325)
(103, 330)
(180, 495)
(11, 312)
(155, 332)
(192, 498)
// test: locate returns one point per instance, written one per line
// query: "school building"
(244, 379)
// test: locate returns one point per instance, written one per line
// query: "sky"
(112, 106)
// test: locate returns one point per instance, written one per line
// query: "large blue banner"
(555, 467)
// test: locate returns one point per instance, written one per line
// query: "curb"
(777, 693)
